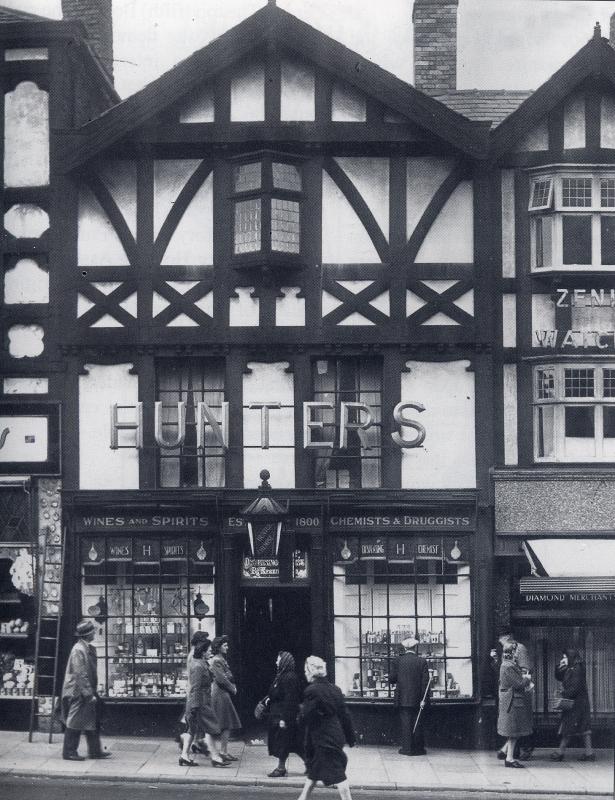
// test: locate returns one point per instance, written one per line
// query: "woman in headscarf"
(576, 721)
(222, 690)
(200, 718)
(284, 697)
(327, 728)
(514, 714)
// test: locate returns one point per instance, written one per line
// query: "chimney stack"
(96, 15)
(435, 45)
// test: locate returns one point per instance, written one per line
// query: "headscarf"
(315, 667)
(286, 663)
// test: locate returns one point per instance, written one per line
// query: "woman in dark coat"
(327, 728)
(284, 698)
(514, 714)
(222, 690)
(576, 721)
(200, 718)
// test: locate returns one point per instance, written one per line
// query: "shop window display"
(147, 595)
(387, 589)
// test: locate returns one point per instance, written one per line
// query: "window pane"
(577, 192)
(579, 421)
(285, 225)
(608, 382)
(607, 238)
(247, 177)
(577, 240)
(541, 194)
(545, 434)
(607, 192)
(248, 226)
(348, 676)
(609, 422)
(346, 632)
(286, 176)
(545, 384)
(538, 242)
(578, 382)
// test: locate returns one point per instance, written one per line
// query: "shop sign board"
(555, 599)
(144, 550)
(420, 520)
(260, 568)
(140, 521)
(398, 550)
(294, 523)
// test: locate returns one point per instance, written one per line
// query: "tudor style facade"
(279, 257)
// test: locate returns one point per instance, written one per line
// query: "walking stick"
(422, 706)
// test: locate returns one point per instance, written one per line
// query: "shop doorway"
(272, 619)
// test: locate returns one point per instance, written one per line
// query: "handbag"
(563, 704)
(261, 710)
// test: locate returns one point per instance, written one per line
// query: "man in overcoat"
(410, 673)
(80, 710)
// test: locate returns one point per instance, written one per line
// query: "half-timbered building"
(268, 324)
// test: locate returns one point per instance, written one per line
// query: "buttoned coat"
(514, 712)
(411, 674)
(222, 689)
(79, 688)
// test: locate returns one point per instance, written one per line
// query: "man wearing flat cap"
(79, 698)
(410, 674)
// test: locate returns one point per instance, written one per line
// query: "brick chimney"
(96, 15)
(435, 45)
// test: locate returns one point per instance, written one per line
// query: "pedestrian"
(576, 720)
(525, 745)
(185, 739)
(222, 690)
(80, 702)
(327, 728)
(284, 698)
(514, 716)
(410, 674)
(200, 717)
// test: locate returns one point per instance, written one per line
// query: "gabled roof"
(271, 25)
(15, 15)
(484, 105)
(594, 60)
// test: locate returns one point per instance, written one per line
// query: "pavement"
(370, 767)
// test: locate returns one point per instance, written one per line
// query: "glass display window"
(387, 589)
(147, 596)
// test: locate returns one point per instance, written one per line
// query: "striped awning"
(564, 566)
(581, 585)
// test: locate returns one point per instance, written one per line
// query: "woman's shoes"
(215, 763)
(227, 758)
(187, 762)
(513, 765)
(278, 773)
(556, 756)
(588, 757)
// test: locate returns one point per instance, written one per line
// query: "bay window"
(574, 413)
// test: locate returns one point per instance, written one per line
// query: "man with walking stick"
(411, 675)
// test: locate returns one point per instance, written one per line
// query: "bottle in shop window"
(140, 648)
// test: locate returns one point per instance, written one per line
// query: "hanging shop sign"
(260, 568)
(145, 550)
(141, 522)
(398, 550)
(421, 520)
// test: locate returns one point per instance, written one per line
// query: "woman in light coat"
(514, 714)
(222, 690)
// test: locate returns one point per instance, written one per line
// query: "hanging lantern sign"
(92, 551)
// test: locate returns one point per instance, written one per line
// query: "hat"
(410, 642)
(84, 628)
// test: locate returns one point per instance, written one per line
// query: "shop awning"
(570, 565)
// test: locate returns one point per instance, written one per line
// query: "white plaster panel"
(290, 309)
(26, 341)
(107, 321)
(26, 282)
(98, 243)
(297, 102)
(200, 107)
(26, 385)
(440, 319)
(100, 467)
(120, 178)
(355, 320)
(451, 237)
(344, 238)
(597, 318)
(170, 177)
(574, 122)
(424, 177)
(26, 221)
(508, 223)
(26, 136)
(193, 240)
(182, 321)
(536, 140)
(466, 302)
(447, 457)
(509, 320)
(248, 95)
(543, 315)
(269, 382)
(347, 105)
(511, 450)
(371, 178)
(244, 309)
(607, 121)
(413, 302)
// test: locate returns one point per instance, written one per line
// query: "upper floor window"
(267, 194)
(573, 221)
(190, 462)
(574, 412)
(351, 453)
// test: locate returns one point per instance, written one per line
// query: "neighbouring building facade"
(297, 352)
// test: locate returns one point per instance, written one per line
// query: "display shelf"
(14, 635)
(15, 696)
(11, 601)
